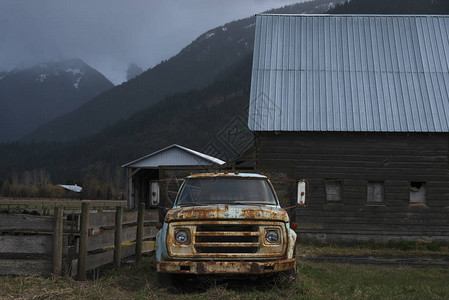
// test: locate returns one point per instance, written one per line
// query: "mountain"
(32, 97)
(197, 65)
(192, 119)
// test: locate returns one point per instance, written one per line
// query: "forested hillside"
(191, 119)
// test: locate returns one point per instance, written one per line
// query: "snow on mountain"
(77, 82)
(43, 92)
(209, 35)
(41, 77)
(74, 71)
(77, 75)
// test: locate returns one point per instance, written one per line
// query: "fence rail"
(32, 244)
(8, 203)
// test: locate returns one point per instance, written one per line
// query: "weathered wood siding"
(396, 159)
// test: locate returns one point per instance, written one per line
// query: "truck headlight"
(272, 237)
(182, 236)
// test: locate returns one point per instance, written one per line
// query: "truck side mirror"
(301, 199)
(154, 193)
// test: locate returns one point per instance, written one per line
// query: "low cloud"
(109, 35)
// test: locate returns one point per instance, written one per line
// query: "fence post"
(56, 266)
(82, 255)
(118, 236)
(140, 219)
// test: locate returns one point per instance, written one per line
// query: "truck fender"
(161, 243)
(291, 242)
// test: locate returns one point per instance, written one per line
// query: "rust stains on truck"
(226, 267)
(226, 211)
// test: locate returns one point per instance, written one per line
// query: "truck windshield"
(203, 191)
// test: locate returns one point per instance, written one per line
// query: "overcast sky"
(110, 34)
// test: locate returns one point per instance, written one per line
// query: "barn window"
(375, 192)
(418, 192)
(333, 191)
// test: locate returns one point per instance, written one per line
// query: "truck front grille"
(227, 227)
(226, 249)
(227, 238)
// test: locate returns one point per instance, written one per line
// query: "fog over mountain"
(109, 35)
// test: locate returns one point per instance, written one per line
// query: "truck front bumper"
(226, 267)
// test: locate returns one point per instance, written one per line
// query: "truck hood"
(225, 211)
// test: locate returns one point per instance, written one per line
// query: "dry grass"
(314, 281)
(36, 287)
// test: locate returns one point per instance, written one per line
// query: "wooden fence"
(45, 206)
(45, 245)
(27, 241)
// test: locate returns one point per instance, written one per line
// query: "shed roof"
(366, 73)
(73, 188)
(174, 155)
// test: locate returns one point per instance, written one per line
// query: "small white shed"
(168, 163)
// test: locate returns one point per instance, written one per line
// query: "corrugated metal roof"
(73, 188)
(174, 155)
(350, 73)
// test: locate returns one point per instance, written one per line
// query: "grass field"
(316, 280)
(370, 249)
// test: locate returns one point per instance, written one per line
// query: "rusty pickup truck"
(226, 223)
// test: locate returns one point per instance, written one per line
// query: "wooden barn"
(359, 106)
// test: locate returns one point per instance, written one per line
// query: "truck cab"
(226, 223)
